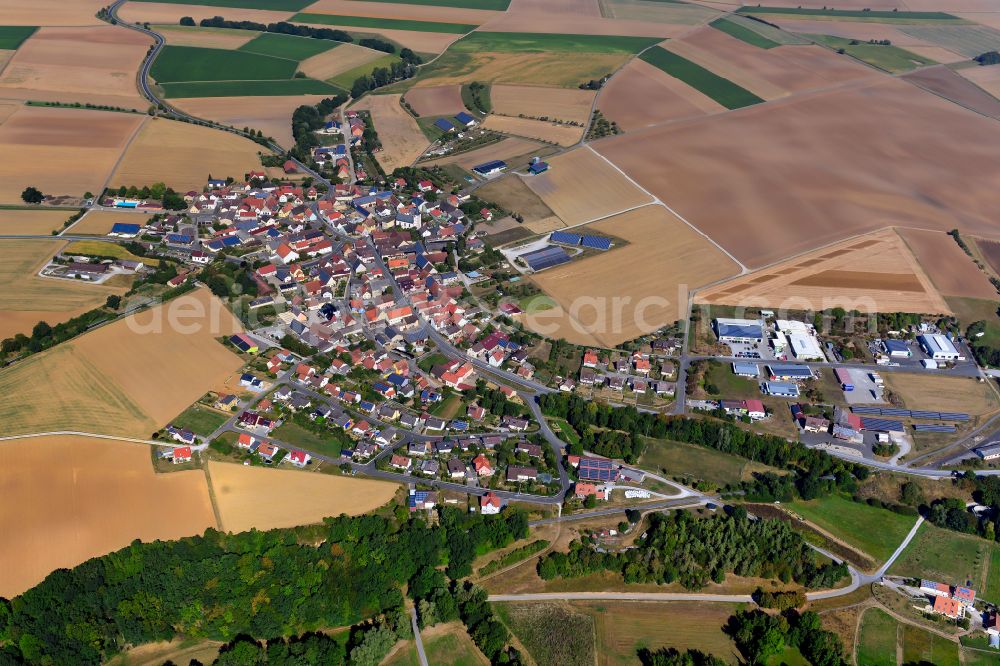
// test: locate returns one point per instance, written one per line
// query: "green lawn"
(248, 88)
(448, 408)
(280, 5)
(790, 656)
(992, 590)
(921, 646)
(429, 361)
(200, 420)
(563, 428)
(681, 459)
(730, 385)
(495, 5)
(743, 34)
(943, 555)
(723, 91)
(194, 63)
(979, 658)
(877, 639)
(346, 79)
(888, 16)
(290, 47)
(892, 59)
(296, 435)
(529, 42)
(969, 310)
(877, 532)
(11, 36)
(384, 23)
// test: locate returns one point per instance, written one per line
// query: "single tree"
(32, 195)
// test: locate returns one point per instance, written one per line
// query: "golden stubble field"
(581, 186)
(543, 102)
(26, 298)
(32, 222)
(213, 38)
(436, 101)
(771, 181)
(563, 135)
(264, 498)
(169, 12)
(51, 12)
(343, 58)
(183, 156)
(945, 394)
(99, 222)
(271, 115)
(874, 273)
(565, 70)
(952, 271)
(577, 17)
(95, 64)
(61, 151)
(402, 140)
(128, 378)
(629, 291)
(71, 498)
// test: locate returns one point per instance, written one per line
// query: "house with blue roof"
(124, 230)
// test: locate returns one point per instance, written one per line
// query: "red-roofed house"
(482, 465)
(490, 504)
(952, 608)
(299, 458)
(182, 454)
(583, 490)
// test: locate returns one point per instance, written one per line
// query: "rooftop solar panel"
(596, 242)
(545, 258)
(565, 238)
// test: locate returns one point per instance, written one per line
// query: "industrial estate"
(541, 332)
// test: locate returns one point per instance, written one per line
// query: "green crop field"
(877, 640)
(743, 34)
(877, 532)
(863, 14)
(278, 5)
(723, 91)
(923, 647)
(944, 555)
(886, 57)
(193, 63)
(495, 5)
(200, 420)
(346, 79)
(287, 46)
(529, 42)
(11, 36)
(248, 88)
(384, 23)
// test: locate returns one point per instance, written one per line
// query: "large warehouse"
(545, 258)
(739, 330)
(806, 347)
(939, 347)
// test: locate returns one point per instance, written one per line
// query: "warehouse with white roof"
(939, 347)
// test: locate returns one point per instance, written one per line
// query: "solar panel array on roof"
(490, 167)
(926, 427)
(545, 258)
(565, 238)
(910, 413)
(595, 469)
(596, 242)
(886, 425)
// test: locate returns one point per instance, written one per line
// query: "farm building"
(565, 238)
(988, 452)
(745, 369)
(781, 389)
(123, 230)
(739, 330)
(805, 347)
(784, 371)
(490, 168)
(444, 125)
(596, 469)
(538, 167)
(596, 242)
(545, 258)
(939, 347)
(898, 349)
(465, 119)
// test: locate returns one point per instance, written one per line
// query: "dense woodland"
(262, 584)
(696, 551)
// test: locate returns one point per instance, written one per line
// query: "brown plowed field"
(61, 151)
(436, 101)
(579, 17)
(507, 149)
(344, 58)
(538, 102)
(987, 78)
(510, 193)
(640, 95)
(563, 135)
(951, 270)
(580, 186)
(874, 273)
(271, 115)
(51, 12)
(177, 154)
(128, 378)
(95, 64)
(396, 10)
(660, 12)
(991, 251)
(167, 12)
(81, 497)
(402, 140)
(948, 84)
(214, 38)
(845, 4)
(770, 181)
(99, 222)
(626, 292)
(32, 222)
(770, 73)
(268, 498)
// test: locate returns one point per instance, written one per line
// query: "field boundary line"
(118, 162)
(657, 200)
(211, 496)
(75, 433)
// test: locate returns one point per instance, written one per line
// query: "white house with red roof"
(490, 504)
(298, 458)
(182, 454)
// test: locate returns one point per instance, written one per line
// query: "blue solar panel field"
(596, 242)
(565, 238)
(545, 258)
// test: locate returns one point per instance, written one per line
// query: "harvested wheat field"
(270, 115)
(32, 222)
(630, 291)
(563, 104)
(174, 153)
(566, 70)
(436, 101)
(639, 95)
(397, 10)
(341, 59)
(5, 56)
(769, 73)
(511, 193)
(873, 273)
(946, 83)
(61, 151)
(99, 222)
(943, 394)
(678, 13)
(129, 378)
(991, 252)
(80, 497)
(212, 38)
(96, 64)
(741, 177)
(563, 135)
(576, 17)
(7, 109)
(508, 149)
(170, 13)
(581, 186)
(987, 78)
(264, 498)
(951, 270)
(26, 298)
(51, 12)
(402, 140)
